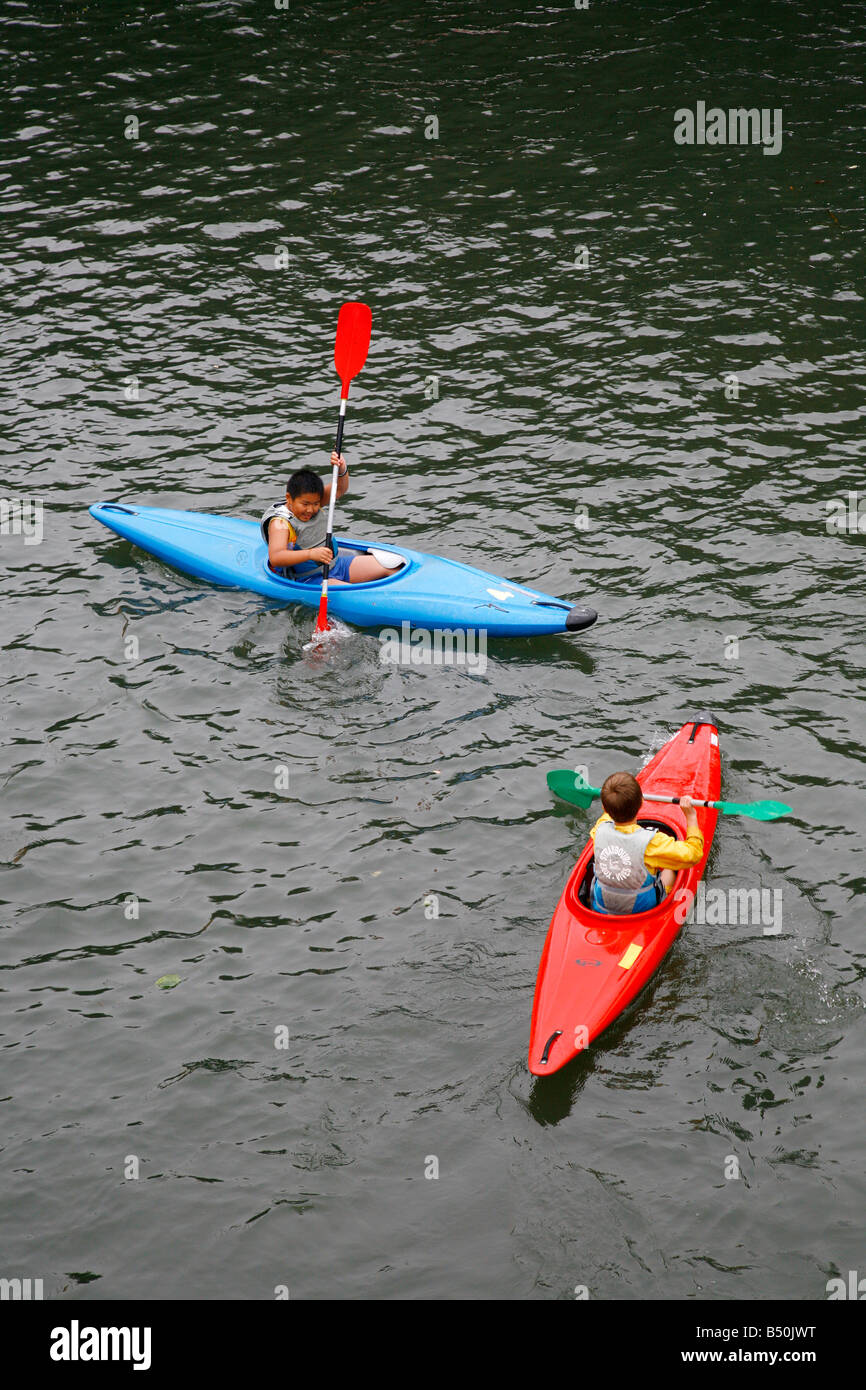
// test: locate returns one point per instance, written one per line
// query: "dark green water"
(561, 395)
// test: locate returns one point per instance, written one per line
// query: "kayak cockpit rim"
(409, 566)
(581, 886)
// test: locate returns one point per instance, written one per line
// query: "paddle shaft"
(652, 796)
(350, 354)
(675, 800)
(322, 620)
(329, 539)
(758, 810)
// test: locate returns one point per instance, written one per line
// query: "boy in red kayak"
(295, 534)
(636, 866)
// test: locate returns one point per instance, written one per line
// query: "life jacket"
(303, 535)
(620, 870)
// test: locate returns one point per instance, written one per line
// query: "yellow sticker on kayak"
(630, 956)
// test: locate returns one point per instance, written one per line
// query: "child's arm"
(342, 477)
(667, 852)
(279, 554)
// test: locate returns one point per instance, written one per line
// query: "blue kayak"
(426, 591)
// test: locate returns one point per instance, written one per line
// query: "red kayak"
(593, 963)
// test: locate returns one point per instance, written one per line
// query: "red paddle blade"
(353, 341)
(322, 619)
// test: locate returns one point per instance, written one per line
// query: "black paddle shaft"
(339, 444)
(329, 539)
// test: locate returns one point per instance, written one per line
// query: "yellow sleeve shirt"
(663, 851)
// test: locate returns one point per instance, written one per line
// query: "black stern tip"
(704, 717)
(698, 720)
(579, 618)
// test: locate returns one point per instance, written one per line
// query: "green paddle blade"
(758, 810)
(569, 787)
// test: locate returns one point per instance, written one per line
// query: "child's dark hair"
(305, 480)
(621, 796)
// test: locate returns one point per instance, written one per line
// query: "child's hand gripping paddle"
(568, 786)
(350, 354)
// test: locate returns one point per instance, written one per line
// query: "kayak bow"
(427, 591)
(594, 964)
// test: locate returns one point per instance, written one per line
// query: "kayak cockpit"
(402, 566)
(584, 888)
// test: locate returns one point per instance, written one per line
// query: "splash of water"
(321, 643)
